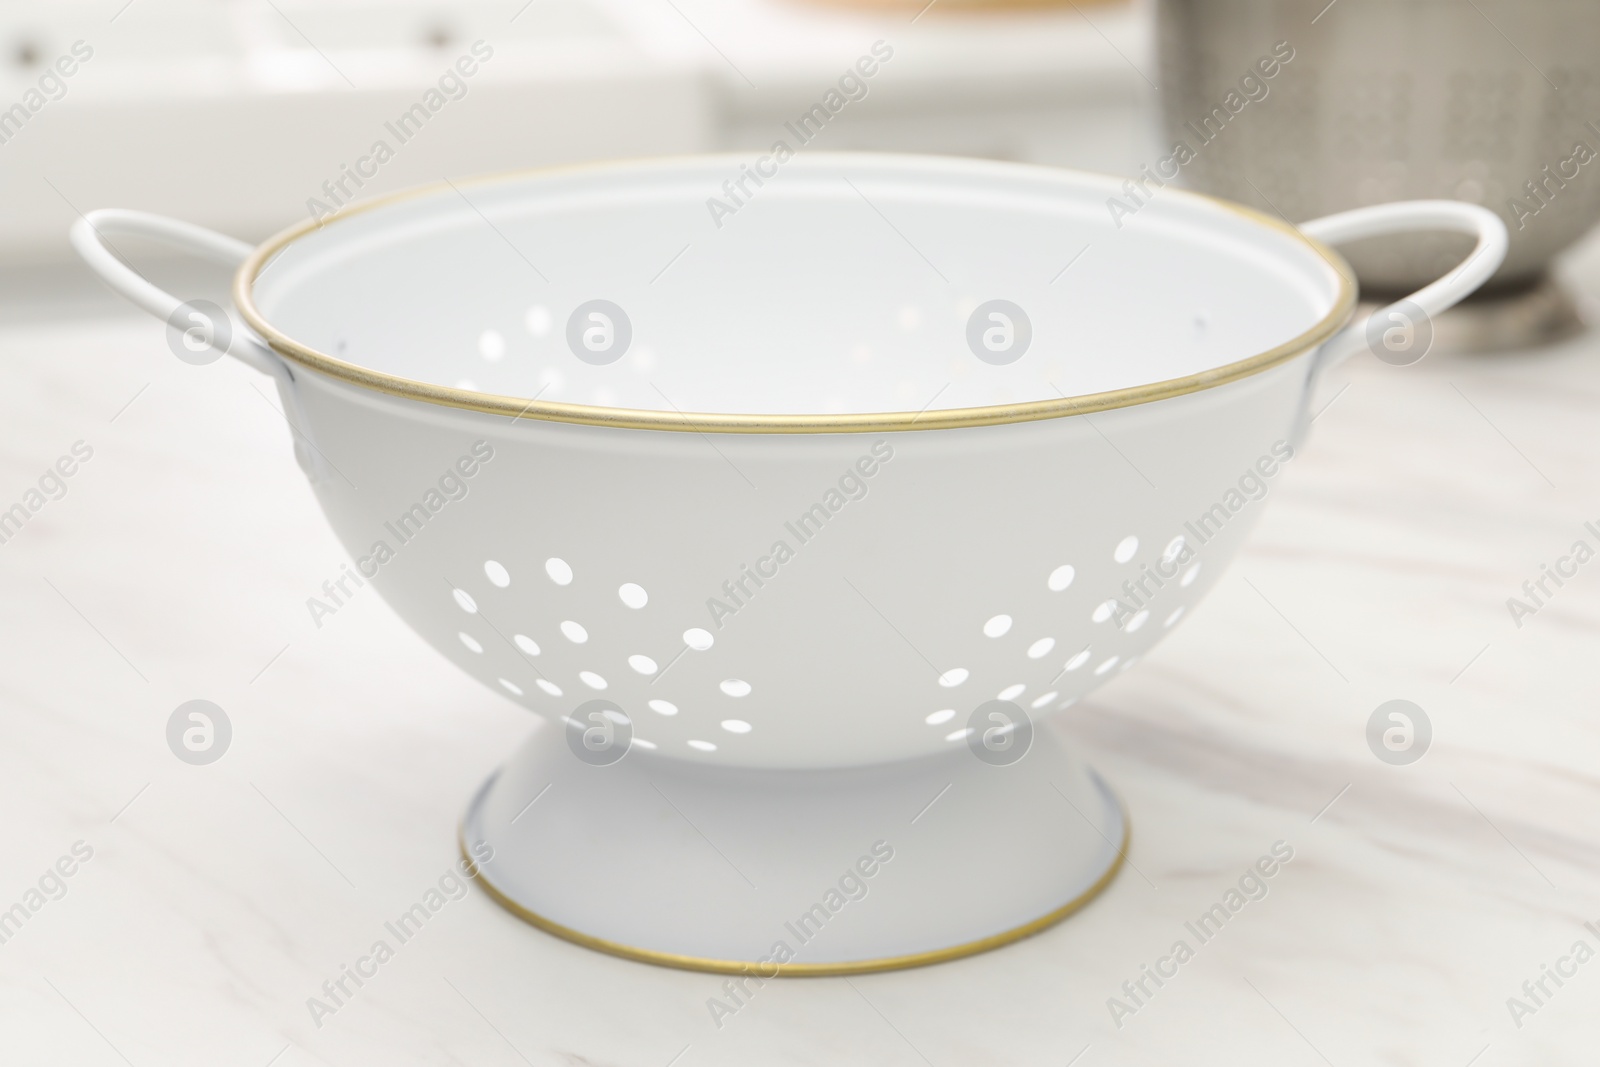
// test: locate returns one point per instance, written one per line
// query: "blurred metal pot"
(1490, 101)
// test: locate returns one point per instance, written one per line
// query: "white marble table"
(219, 898)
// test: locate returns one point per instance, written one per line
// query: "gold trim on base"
(802, 970)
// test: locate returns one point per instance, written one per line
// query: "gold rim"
(709, 422)
(801, 970)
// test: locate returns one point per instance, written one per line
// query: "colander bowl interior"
(844, 284)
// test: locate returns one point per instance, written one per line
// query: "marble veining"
(219, 898)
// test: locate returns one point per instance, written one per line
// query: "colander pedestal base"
(794, 872)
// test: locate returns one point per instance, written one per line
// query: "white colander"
(796, 475)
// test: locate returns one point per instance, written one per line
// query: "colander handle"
(89, 237)
(1412, 216)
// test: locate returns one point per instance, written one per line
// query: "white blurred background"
(232, 113)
